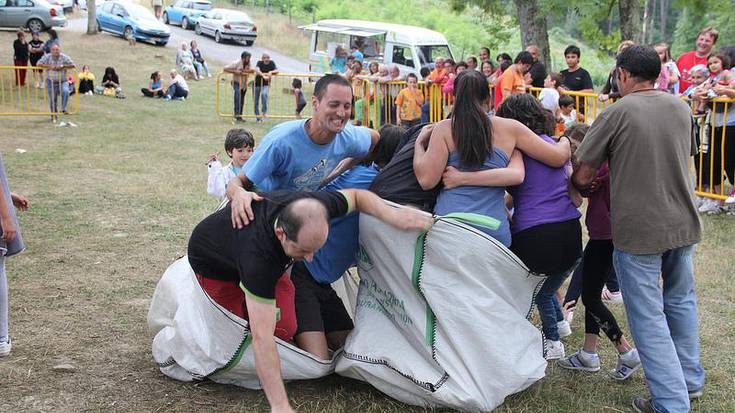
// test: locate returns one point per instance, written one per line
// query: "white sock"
(631, 354)
(588, 356)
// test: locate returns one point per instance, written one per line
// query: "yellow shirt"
(407, 100)
(86, 76)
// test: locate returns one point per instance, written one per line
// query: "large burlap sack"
(196, 338)
(443, 321)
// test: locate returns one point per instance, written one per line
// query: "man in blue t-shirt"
(299, 156)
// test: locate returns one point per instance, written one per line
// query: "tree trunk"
(664, 19)
(91, 17)
(630, 20)
(533, 28)
(644, 34)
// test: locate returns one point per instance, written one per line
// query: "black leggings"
(597, 265)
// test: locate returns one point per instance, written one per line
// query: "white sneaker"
(569, 317)
(731, 198)
(5, 348)
(564, 328)
(581, 360)
(554, 350)
(628, 364)
(709, 206)
(610, 297)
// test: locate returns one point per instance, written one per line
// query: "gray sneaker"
(627, 365)
(696, 394)
(579, 361)
(5, 348)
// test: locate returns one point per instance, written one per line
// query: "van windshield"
(427, 54)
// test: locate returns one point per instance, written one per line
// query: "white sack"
(194, 337)
(464, 341)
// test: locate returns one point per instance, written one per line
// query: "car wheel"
(35, 25)
(198, 29)
(217, 37)
(249, 42)
(165, 18)
(128, 33)
(161, 43)
(185, 23)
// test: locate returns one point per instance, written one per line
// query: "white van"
(409, 47)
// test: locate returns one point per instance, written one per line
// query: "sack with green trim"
(443, 321)
(196, 338)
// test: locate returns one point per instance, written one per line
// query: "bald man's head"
(303, 227)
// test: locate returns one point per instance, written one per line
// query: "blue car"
(131, 20)
(186, 12)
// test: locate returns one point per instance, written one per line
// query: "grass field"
(112, 204)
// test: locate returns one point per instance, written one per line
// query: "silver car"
(37, 15)
(223, 24)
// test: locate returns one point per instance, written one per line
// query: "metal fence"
(19, 95)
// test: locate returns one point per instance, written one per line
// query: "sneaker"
(258, 120)
(611, 297)
(642, 405)
(5, 348)
(709, 206)
(167, 97)
(628, 364)
(564, 328)
(696, 394)
(569, 317)
(730, 198)
(581, 360)
(209, 75)
(554, 350)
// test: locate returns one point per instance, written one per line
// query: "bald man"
(243, 269)
(538, 69)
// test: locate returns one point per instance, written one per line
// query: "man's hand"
(242, 210)
(19, 201)
(409, 219)
(9, 230)
(603, 97)
(423, 138)
(452, 177)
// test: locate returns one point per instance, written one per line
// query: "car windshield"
(238, 18)
(139, 12)
(201, 6)
(427, 54)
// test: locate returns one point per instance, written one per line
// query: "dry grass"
(113, 202)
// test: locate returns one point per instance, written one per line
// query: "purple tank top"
(543, 197)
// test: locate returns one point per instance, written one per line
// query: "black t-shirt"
(538, 74)
(110, 78)
(264, 68)
(36, 44)
(252, 255)
(578, 80)
(397, 181)
(20, 50)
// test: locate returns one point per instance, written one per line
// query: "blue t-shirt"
(358, 55)
(338, 253)
(338, 64)
(289, 160)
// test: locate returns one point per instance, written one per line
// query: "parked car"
(67, 5)
(36, 15)
(131, 20)
(223, 24)
(186, 12)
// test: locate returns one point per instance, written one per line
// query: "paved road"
(222, 52)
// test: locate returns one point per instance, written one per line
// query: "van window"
(402, 56)
(327, 42)
(427, 54)
(369, 46)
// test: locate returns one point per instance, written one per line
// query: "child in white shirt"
(239, 146)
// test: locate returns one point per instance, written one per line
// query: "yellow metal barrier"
(716, 144)
(277, 99)
(19, 96)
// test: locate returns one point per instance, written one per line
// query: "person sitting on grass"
(154, 89)
(177, 87)
(185, 62)
(86, 81)
(239, 146)
(244, 270)
(199, 63)
(110, 84)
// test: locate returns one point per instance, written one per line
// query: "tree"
(630, 20)
(533, 28)
(91, 17)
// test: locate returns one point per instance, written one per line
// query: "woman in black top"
(110, 81)
(20, 58)
(36, 53)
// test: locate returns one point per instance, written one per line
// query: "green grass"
(112, 205)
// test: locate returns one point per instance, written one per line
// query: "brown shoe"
(641, 405)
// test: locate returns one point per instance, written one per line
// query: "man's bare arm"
(583, 176)
(241, 199)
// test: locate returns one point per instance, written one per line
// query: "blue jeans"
(663, 323)
(548, 306)
(175, 91)
(239, 97)
(201, 68)
(261, 95)
(52, 91)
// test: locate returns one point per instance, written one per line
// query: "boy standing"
(239, 146)
(408, 103)
(575, 78)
